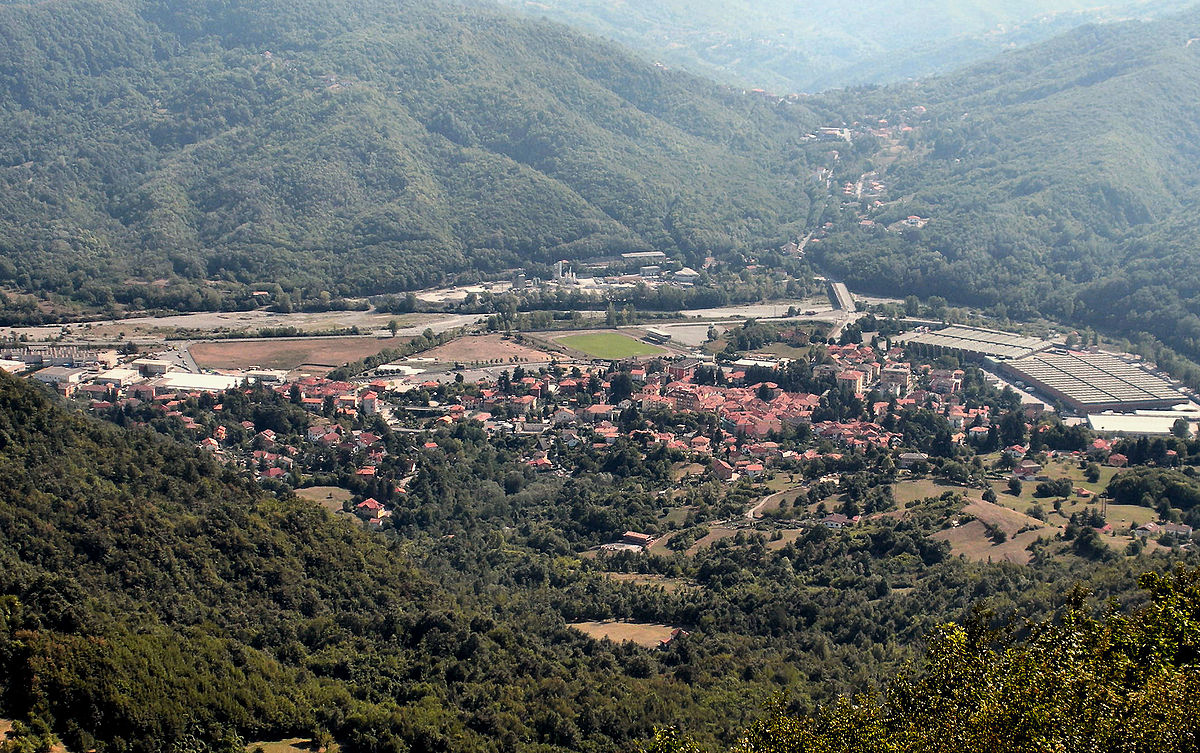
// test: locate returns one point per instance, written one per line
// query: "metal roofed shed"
(975, 343)
(151, 366)
(60, 375)
(1094, 382)
(273, 376)
(119, 377)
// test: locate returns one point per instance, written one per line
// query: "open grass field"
(676, 515)
(670, 585)
(783, 481)
(789, 535)
(1010, 521)
(289, 354)
(971, 539)
(1063, 468)
(1120, 516)
(660, 544)
(680, 470)
(1057, 468)
(914, 489)
(608, 345)
(644, 634)
(290, 745)
(1124, 516)
(714, 535)
(329, 497)
(481, 349)
(716, 346)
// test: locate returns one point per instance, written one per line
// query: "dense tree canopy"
(1078, 683)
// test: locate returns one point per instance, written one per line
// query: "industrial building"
(59, 375)
(182, 381)
(118, 377)
(1093, 382)
(72, 356)
(644, 256)
(1149, 422)
(975, 344)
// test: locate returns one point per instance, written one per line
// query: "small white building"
(151, 366)
(687, 276)
(119, 377)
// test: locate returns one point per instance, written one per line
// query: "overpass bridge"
(839, 294)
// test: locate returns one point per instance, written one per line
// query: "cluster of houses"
(586, 405)
(582, 406)
(1177, 532)
(146, 382)
(579, 406)
(1100, 450)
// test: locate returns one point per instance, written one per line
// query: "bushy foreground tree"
(1117, 682)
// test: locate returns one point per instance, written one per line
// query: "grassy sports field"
(609, 345)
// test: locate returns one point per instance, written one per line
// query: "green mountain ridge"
(371, 147)
(786, 46)
(363, 146)
(1057, 178)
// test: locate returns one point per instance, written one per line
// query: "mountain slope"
(789, 46)
(360, 146)
(152, 599)
(1048, 173)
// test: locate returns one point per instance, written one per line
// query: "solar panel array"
(1095, 378)
(984, 342)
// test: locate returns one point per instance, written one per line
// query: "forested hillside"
(1060, 180)
(153, 599)
(1122, 682)
(361, 146)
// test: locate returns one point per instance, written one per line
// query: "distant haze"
(804, 46)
